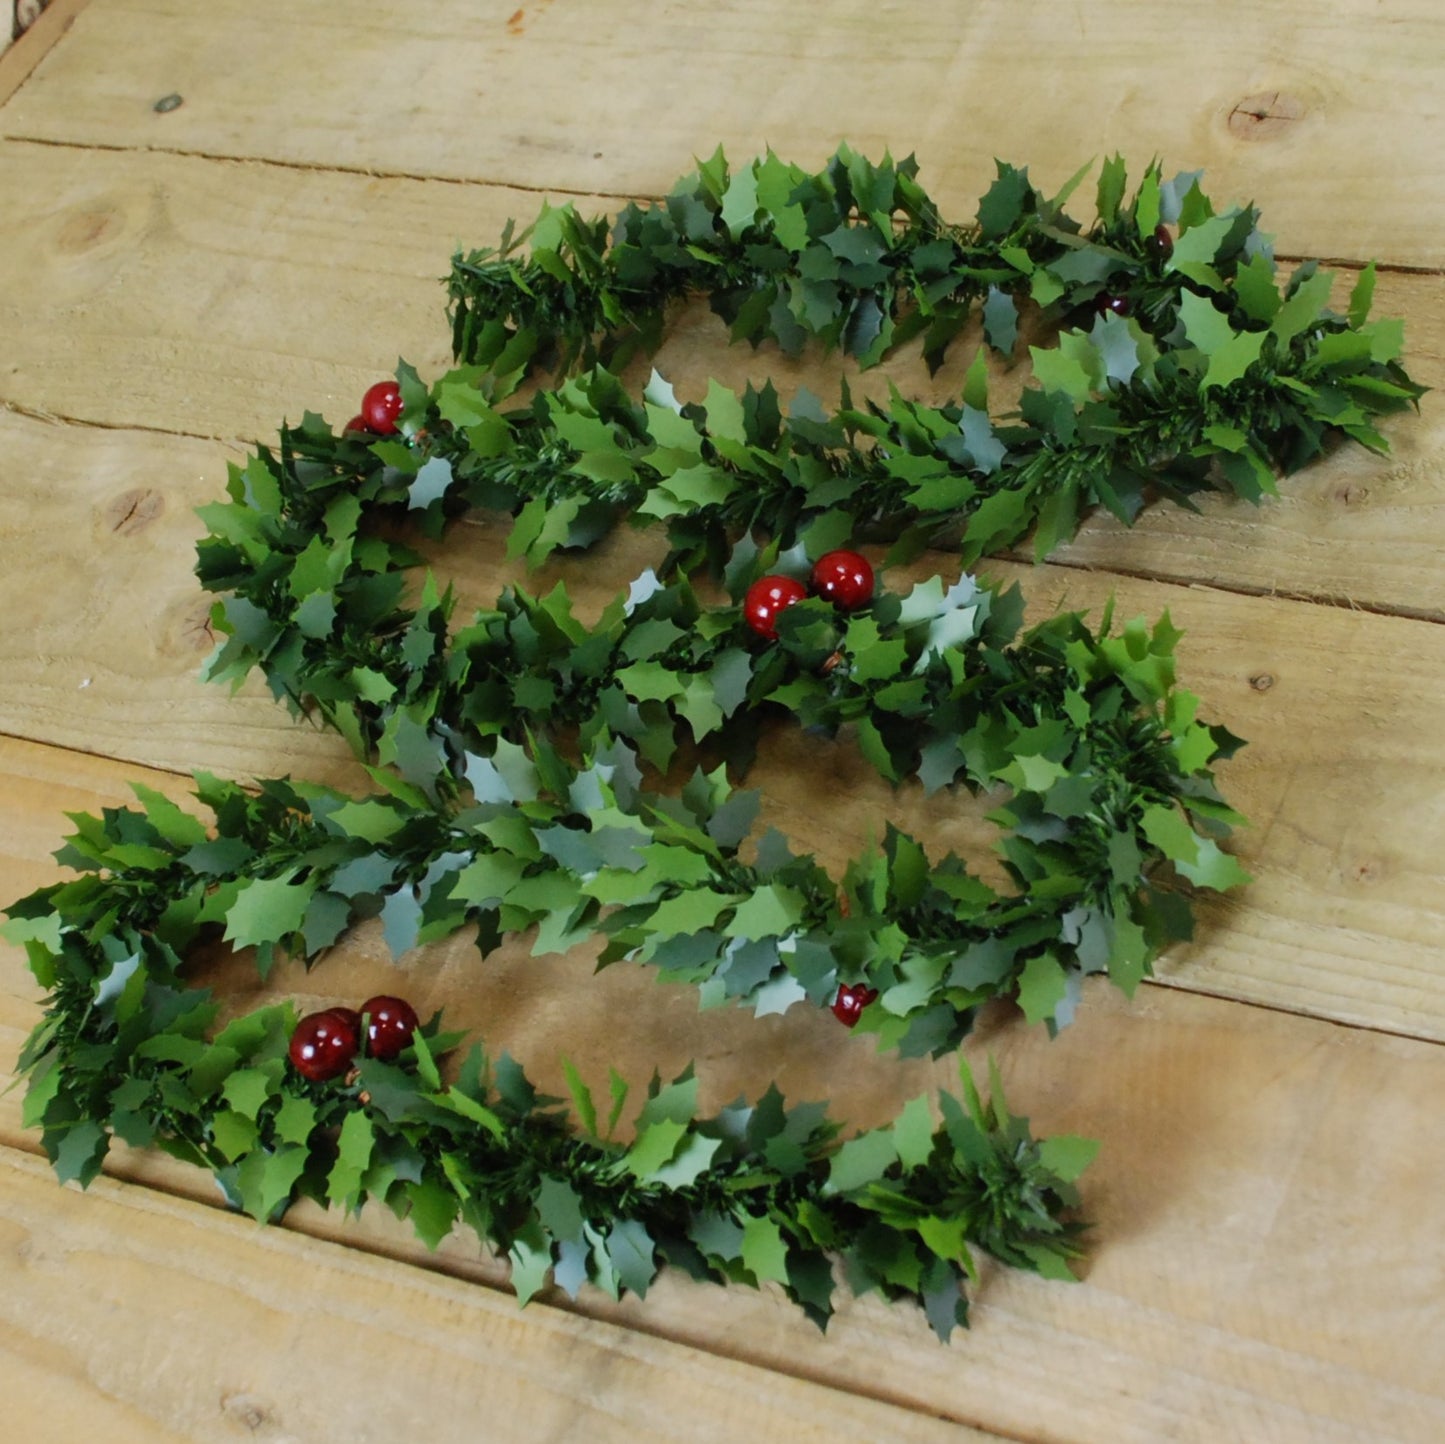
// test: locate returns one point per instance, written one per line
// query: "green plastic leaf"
(764, 1251)
(1068, 1155)
(1042, 986)
(267, 910)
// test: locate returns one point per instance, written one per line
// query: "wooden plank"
(133, 1309)
(174, 293)
(106, 628)
(1282, 102)
(1267, 1203)
(216, 298)
(1346, 918)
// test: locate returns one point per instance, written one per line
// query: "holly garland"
(1181, 364)
(507, 750)
(1106, 760)
(754, 1193)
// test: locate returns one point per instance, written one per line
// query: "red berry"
(1119, 305)
(357, 423)
(390, 1022)
(349, 1016)
(851, 1000)
(323, 1045)
(844, 577)
(766, 598)
(380, 407)
(1163, 242)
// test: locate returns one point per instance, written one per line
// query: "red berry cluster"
(842, 577)
(324, 1044)
(851, 1000)
(380, 409)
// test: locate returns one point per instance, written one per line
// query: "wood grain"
(106, 628)
(179, 294)
(1276, 101)
(194, 1325)
(1266, 1204)
(1347, 918)
(217, 298)
(1265, 1261)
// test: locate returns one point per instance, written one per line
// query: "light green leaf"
(267, 910)
(1043, 985)
(764, 1252)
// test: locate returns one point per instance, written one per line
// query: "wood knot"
(247, 1410)
(1262, 681)
(184, 629)
(132, 510)
(1265, 116)
(84, 230)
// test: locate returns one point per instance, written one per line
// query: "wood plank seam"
(308, 168)
(1348, 263)
(1334, 601)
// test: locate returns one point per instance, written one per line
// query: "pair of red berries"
(380, 410)
(842, 577)
(851, 1000)
(324, 1044)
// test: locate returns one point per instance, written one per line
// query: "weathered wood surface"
(1346, 919)
(1266, 1260)
(263, 1333)
(179, 294)
(1262, 1266)
(1288, 101)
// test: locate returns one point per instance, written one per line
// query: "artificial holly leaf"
(1229, 354)
(691, 1161)
(771, 911)
(80, 1152)
(1042, 986)
(1068, 1155)
(353, 1154)
(531, 1259)
(656, 1144)
(913, 1133)
(764, 1252)
(1197, 858)
(295, 1119)
(861, 1161)
(630, 1251)
(430, 483)
(1000, 321)
(267, 910)
(433, 1210)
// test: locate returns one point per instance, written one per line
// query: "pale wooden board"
(133, 1308)
(1301, 107)
(217, 298)
(106, 628)
(174, 293)
(1347, 918)
(1267, 1202)
(1273, 1275)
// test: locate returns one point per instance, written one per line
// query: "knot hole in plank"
(1266, 115)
